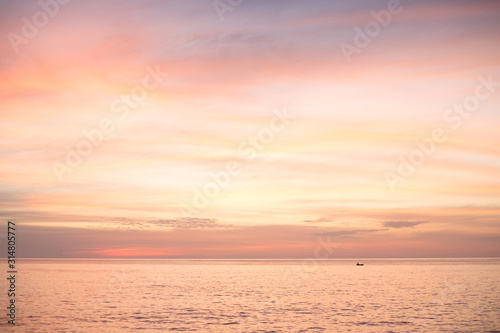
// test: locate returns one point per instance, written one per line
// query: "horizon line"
(319, 259)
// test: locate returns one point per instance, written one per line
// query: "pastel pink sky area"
(154, 129)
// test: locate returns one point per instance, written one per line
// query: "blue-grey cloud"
(189, 223)
(402, 224)
(179, 223)
(348, 233)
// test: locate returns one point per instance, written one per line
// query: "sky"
(251, 128)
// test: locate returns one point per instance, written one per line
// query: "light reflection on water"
(394, 295)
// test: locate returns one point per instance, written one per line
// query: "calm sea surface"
(392, 295)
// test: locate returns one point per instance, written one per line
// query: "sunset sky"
(120, 122)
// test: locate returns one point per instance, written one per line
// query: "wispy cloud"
(184, 223)
(189, 223)
(402, 224)
(319, 220)
(348, 233)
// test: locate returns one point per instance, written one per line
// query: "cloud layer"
(402, 224)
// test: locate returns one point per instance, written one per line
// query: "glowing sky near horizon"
(323, 175)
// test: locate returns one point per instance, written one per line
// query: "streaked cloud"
(402, 224)
(319, 220)
(349, 233)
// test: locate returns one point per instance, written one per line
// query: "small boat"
(358, 264)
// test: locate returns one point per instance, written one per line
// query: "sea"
(305, 295)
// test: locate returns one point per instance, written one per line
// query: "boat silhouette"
(358, 264)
